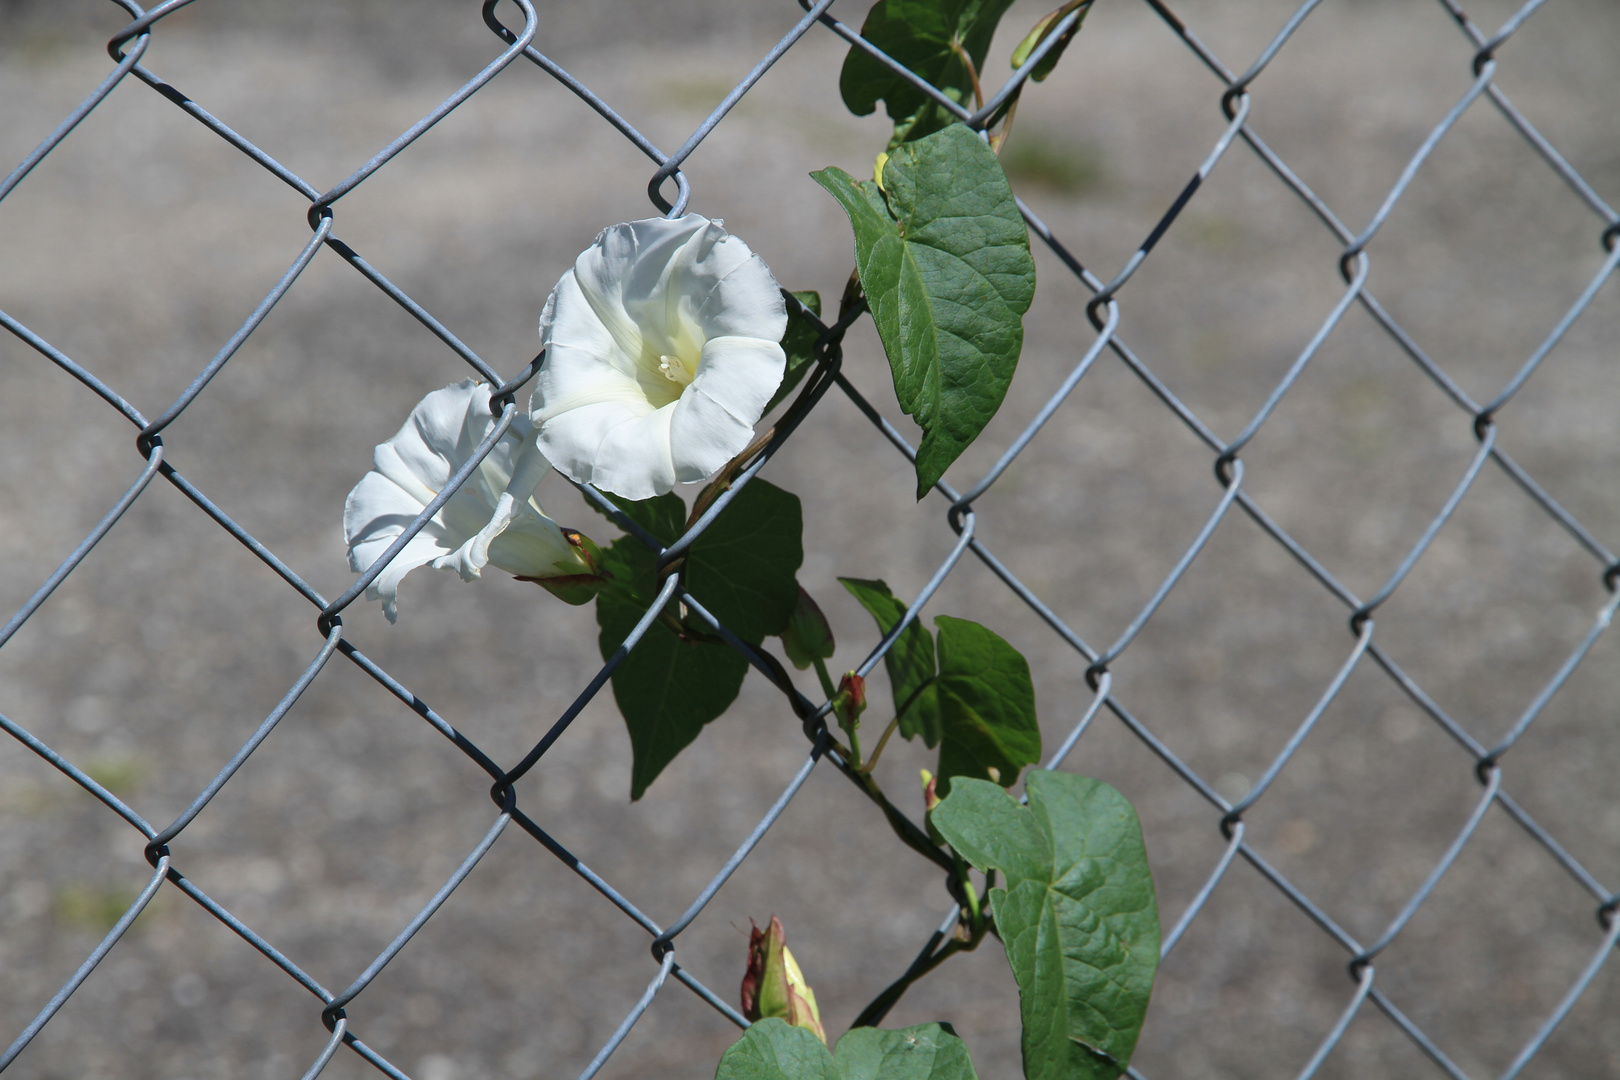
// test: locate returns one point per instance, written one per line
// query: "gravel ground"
(143, 242)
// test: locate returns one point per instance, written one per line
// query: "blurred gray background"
(141, 243)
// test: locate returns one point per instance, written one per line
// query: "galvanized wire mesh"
(670, 191)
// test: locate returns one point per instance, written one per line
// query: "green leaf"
(944, 262)
(986, 705)
(664, 516)
(773, 1050)
(668, 687)
(919, 34)
(1078, 917)
(742, 569)
(991, 829)
(924, 1052)
(910, 662)
(1043, 27)
(800, 345)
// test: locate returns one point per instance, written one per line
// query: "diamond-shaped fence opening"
(1302, 506)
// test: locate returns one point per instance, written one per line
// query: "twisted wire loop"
(1107, 313)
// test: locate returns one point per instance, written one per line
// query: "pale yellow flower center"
(669, 360)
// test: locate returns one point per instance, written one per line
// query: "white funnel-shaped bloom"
(485, 523)
(662, 349)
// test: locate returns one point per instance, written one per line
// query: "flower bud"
(931, 797)
(1038, 34)
(773, 985)
(807, 637)
(850, 701)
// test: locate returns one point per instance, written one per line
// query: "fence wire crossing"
(670, 191)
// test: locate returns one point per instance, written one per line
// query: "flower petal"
(374, 515)
(577, 402)
(594, 323)
(573, 377)
(740, 374)
(632, 262)
(526, 549)
(745, 300)
(536, 547)
(633, 458)
(438, 439)
(421, 549)
(714, 420)
(417, 457)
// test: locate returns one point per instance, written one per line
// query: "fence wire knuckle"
(1108, 305)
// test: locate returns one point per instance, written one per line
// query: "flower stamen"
(672, 369)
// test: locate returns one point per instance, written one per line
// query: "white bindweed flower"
(483, 523)
(662, 349)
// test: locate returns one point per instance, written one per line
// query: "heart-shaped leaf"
(744, 567)
(1078, 916)
(773, 1050)
(943, 257)
(742, 570)
(925, 36)
(976, 701)
(909, 662)
(670, 685)
(986, 706)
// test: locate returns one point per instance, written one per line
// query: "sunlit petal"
(492, 520)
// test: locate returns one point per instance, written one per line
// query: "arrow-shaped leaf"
(925, 36)
(910, 662)
(741, 569)
(1078, 916)
(986, 706)
(943, 257)
(669, 686)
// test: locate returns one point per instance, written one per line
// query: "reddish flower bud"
(850, 701)
(773, 984)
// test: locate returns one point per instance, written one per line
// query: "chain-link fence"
(1426, 801)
